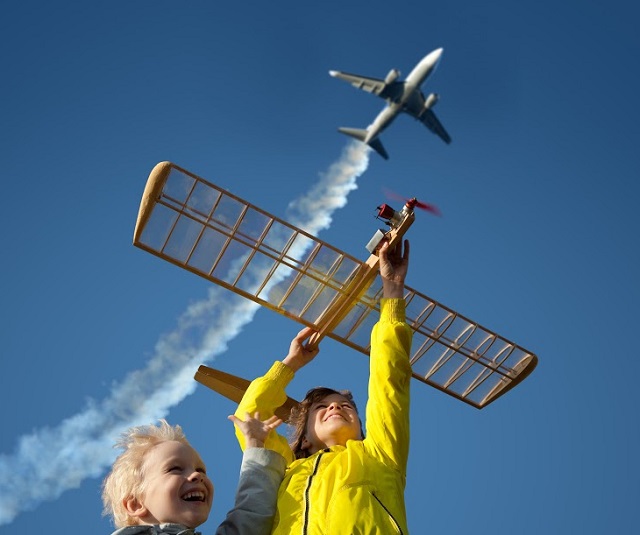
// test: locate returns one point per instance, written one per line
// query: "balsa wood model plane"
(206, 230)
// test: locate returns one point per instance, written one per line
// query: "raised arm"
(265, 394)
(260, 477)
(390, 370)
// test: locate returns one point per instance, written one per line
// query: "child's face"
(331, 422)
(177, 488)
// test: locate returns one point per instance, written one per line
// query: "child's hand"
(299, 355)
(394, 264)
(255, 431)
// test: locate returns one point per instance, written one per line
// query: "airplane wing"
(429, 119)
(419, 108)
(370, 85)
(210, 232)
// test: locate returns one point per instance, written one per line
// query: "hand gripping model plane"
(401, 96)
(210, 232)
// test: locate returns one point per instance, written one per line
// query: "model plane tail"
(361, 135)
(233, 387)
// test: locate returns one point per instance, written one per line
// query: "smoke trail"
(50, 461)
(313, 211)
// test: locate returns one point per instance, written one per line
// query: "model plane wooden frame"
(207, 230)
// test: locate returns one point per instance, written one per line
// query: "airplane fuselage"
(403, 98)
(384, 119)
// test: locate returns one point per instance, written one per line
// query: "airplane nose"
(432, 59)
(435, 55)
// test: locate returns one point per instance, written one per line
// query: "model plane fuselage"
(401, 96)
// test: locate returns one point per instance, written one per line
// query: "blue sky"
(538, 239)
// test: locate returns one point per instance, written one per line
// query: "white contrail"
(313, 211)
(49, 461)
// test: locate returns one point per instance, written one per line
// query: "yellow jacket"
(357, 489)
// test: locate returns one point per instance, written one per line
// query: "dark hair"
(300, 415)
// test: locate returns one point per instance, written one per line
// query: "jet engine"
(392, 76)
(430, 101)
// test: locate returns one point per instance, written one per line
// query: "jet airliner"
(401, 96)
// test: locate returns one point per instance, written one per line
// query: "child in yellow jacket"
(338, 481)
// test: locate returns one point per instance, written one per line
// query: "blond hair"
(127, 478)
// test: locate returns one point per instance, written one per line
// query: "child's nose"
(196, 476)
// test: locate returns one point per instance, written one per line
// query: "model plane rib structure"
(206, 230)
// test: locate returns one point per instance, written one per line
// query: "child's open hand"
(255, 431)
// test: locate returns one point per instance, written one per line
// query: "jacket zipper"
(393, 520)
(305, 524)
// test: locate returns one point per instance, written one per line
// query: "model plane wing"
(208, 231)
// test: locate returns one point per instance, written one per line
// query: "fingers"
(302, 338)
(405, 254)
(304, 334)
(382, 252)
(396, 255)
(271, 422)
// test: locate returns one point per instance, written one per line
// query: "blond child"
(159, 484)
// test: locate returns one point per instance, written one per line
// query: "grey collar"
(157, 529)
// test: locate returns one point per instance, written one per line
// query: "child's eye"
(202, 470)
(174, 468)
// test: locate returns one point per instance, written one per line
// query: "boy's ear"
(134, 507)
(305, 444)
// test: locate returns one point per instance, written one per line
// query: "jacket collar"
(157, 529)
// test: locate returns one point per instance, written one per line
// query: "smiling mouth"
(197, 496)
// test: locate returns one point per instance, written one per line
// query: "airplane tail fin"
(361, 134)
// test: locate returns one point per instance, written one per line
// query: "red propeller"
(413, 202)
